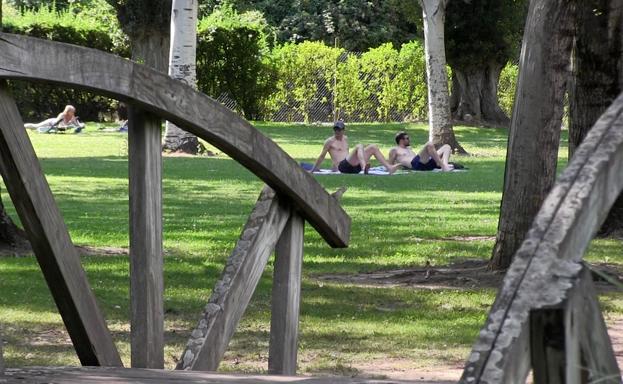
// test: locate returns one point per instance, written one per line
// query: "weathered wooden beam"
(146, 256)
(233, 291)
(552, 250)
(48, 235)
(286, 298)
(28, 58)
(101, 375)
(569, 341)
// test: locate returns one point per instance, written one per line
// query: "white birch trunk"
(182, 66)
(439, 118)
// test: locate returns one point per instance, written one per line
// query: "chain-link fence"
(348, 90)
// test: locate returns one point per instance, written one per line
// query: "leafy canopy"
(481, 31)
(356, 24)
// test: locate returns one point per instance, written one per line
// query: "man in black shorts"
(353, 161)
(428, 159)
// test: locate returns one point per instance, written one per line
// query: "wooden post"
(569, 342)
(233, 291)
(547, 342)
(286, 297)
(146, 259)
(592, 359)
(48, 235)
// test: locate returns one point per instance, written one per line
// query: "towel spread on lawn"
(378, 171)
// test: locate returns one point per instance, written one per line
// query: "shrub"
(507, 86)
(379, 67)
(231, 52)
(314, 80)
(305, 78)
(412, 73)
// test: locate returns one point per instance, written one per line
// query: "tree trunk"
(475, 95)
(11, 235)
(598, 75)
(151, 47)
(439, 118)
(182, 66)
(535, 126)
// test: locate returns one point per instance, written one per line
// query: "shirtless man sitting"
(356, 160)
(428, 159)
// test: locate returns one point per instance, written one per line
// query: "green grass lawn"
(398, 222)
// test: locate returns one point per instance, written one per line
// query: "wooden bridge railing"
(546, 316)
(276, 223)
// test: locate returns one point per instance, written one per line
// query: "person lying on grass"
(356, 160)
(428, 159)
(65, 120)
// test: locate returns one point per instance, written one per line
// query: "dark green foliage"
(274, 10)
(482, 31)
(232, 58)
(229, 61)
(141, 16)
(24, 5)
(357, 24)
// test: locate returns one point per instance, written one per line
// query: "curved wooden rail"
(27, 58)
(548, 264)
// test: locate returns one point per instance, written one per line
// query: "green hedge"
(318, 82)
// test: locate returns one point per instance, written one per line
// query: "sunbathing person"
(428, 159)
(65, 120)
(356, 160)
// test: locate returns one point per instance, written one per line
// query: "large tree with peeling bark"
(439, 118)
(481, 37)
(147, 24)
(183, 66)
(534, 135)
(597, 77)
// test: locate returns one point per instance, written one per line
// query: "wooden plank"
(34, 59)
(596, 356)
(554, 247)
(48, 235)
(573, 325)
(233, 291)
(286, 298)
(73, 375)
(547, 342)
(146, 256)
(570, 343)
